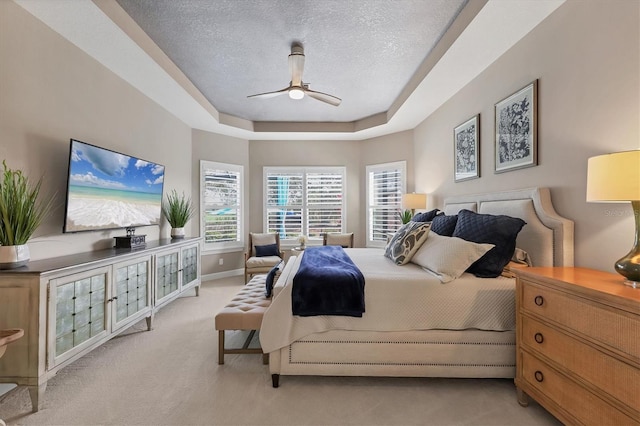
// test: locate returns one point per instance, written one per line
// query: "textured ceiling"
(362, 51)
(482, 31)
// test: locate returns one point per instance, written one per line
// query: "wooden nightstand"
(578, 345)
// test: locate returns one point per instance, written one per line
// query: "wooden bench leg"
(220, 347)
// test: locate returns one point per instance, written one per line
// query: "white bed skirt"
(427, 353)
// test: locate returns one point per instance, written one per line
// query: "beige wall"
(586, 57)
(384, 149)
(224, 149)
(51, 91)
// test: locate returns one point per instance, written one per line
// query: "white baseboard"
(219, 275)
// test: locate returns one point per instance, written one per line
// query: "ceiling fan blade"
(267, 95)
(296, 65)
(324, 97)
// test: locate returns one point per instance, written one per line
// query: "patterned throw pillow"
(407, 241)
(448, 257)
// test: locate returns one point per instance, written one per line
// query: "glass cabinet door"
(166, 275)
(131, 291)
(77, 308)
(190, 258)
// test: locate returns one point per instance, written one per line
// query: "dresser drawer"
(586, 407)
(613, 376)
(614, 328)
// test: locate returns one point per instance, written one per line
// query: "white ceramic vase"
(14, 256)
(177, 233)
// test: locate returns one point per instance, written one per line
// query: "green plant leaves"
(20, 210)
(405, 216)
(178, 209)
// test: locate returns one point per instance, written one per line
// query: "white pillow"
(448, 257)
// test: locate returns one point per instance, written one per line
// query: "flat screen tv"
(109, 190)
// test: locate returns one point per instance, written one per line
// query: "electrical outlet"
(220, 261)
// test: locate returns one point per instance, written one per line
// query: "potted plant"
(405, 216)
(178, 209)
(21, 212)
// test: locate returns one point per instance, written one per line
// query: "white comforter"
(397, 298)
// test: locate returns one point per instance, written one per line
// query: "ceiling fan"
(297, 89)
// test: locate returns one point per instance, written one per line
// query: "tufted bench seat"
(243, 312)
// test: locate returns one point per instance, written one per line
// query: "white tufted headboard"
(547, 236)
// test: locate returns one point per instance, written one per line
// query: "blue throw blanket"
(327, 283)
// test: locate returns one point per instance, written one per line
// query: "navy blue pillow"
(499, 230)
(444, 225)
(426, 216)
(269, 280)
(267, 250)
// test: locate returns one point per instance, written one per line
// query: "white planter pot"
(14, 256)
(177, 233)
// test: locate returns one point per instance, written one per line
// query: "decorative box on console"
(131, 241)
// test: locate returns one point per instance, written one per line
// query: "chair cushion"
(267, 250)
(261, 240)
(263, 262)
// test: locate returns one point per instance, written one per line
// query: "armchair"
(263, 253)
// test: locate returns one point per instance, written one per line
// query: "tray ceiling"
(393, 62)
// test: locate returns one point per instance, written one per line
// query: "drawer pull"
(539, 337)
(539, 300)
(539, 376)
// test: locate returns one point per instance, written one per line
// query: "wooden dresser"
(578, 345)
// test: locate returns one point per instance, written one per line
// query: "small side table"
(297, 250)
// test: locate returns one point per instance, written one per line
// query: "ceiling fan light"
(296, 93)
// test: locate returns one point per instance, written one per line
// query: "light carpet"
(170, 376)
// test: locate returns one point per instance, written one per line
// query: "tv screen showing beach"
(108, 190)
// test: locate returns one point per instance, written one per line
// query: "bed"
(468, 329)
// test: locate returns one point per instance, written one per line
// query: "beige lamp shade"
(614, 177)
(414, 201)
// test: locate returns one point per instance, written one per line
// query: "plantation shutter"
(324, 202)
(284, 203)
(304, 201)
(221, 203)
(385, 185)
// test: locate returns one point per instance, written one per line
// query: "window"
(304, 201)
(385, 185)
(221, 195)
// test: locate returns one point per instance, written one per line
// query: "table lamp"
(616, 178)
(414, 201)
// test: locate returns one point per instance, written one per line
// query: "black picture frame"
(516, 130)
(466, 150)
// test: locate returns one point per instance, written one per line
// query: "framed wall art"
(516, 131)
(466, 145)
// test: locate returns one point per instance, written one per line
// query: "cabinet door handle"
(539, 337)
(539, 300)
(539, 376)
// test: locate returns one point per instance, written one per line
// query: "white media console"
(69, 305)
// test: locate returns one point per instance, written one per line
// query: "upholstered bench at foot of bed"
(243, 312)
